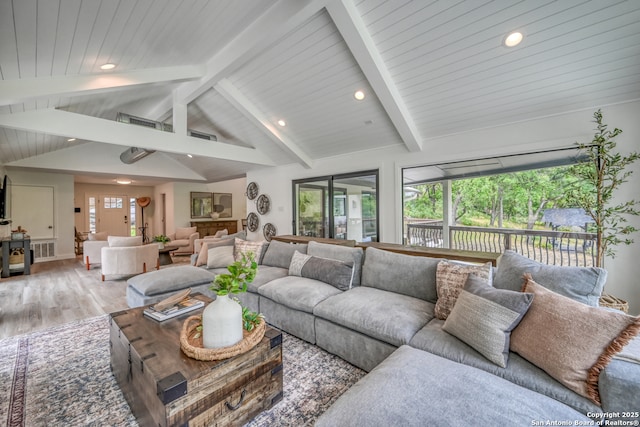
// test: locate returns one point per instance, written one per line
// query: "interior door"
(32, 209)
(113, 215)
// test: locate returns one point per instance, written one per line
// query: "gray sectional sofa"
(419, 374)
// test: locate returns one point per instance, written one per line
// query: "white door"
(32, 209)
(113, 215)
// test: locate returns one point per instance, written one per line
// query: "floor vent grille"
(43, 250)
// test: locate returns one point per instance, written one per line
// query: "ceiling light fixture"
(513, 39)
(71, 139)
(123, 181)
(359, 95)
(108, 66)
(190, 156)
(282, 123)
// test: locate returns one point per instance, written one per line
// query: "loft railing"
(549, 247)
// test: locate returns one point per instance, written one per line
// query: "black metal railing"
(549, 247)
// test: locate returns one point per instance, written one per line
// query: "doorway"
(112, 215)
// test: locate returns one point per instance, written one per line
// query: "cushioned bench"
(415, 388)
(157, 285)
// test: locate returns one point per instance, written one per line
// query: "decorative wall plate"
(263, 204)
(269, 230)
(252, 190)
(252, 221)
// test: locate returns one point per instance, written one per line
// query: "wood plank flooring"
(58, 292)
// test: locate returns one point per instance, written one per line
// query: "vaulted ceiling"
(234, 68)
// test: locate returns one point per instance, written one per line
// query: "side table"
(7, 245)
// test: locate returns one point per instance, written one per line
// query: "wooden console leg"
(87, 262)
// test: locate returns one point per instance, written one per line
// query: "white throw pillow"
(220, 257)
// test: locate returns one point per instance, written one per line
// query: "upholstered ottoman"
(155, 286)
(416, 388)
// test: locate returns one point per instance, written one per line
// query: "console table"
(209, 228)
(7, 245)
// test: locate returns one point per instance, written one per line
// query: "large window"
(339, 206)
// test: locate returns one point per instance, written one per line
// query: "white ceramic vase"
(222, 323)
(160, 245)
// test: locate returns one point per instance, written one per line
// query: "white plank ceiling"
(235, 68)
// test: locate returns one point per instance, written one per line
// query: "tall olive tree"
(596, 181)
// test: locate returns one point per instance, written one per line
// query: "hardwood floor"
(55, 293)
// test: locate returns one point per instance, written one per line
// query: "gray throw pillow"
(341, 253)
(483, 317)
(336, 273)
(582, 284)
(279, 254)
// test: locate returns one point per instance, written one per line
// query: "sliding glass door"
(339, 206)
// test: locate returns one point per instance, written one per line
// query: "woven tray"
(193, 347)
(610, 301)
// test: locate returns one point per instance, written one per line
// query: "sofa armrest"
(619, 386)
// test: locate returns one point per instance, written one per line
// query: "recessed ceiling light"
(108, 66)
(190, 156)
(123, 181)
(71, 139)
(513, 39)
(282, 123)
(359, 95)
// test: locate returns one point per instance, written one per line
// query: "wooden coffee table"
(164, 387)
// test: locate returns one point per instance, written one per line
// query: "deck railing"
(549, 247)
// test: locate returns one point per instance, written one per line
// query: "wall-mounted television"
(5, 198)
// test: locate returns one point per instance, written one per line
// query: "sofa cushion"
(386, 316)
(279, 254)
(341, 253)
(571, 341)
(450, 279)
(331, 271)
(220, 257)
(246, 246)
(414, 276)
(434, 339)
(124, 241)
(183, 233)
(265, 274)
(103, 235)
(169, 279)
(484, 317)
(203, 255)
(298, 293)
(415, 388)
(582, 284)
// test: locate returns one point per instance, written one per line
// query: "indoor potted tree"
(594, 186)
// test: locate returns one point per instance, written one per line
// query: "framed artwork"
(222, 204)
(201, 205)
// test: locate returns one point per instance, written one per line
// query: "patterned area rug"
(61, 377)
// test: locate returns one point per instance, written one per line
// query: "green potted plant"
(595, 183)
(161, 239)
(222, 320)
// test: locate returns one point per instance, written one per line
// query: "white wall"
(540, 134)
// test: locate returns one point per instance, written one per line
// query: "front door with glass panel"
(113, 215)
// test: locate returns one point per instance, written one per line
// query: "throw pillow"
(582, 284)
(336, 273)
(571, 341)
(124, 241)
(244, 246)
(220, 257)
(203, 255)
(279, 254)
(221, 233)
(483, 317)
(450, 279)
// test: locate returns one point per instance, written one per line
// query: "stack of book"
(182, 307)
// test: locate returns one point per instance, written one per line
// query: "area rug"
(61, 377)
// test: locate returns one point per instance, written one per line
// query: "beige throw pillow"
(244, 246)
(220, 257)
(571, 341)
(450, 279)
(203, 255)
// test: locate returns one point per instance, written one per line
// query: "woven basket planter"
(614, 302)
(192, 346)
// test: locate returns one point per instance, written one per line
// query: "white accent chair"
(128, 256)
(184, 238)
(92, 247)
